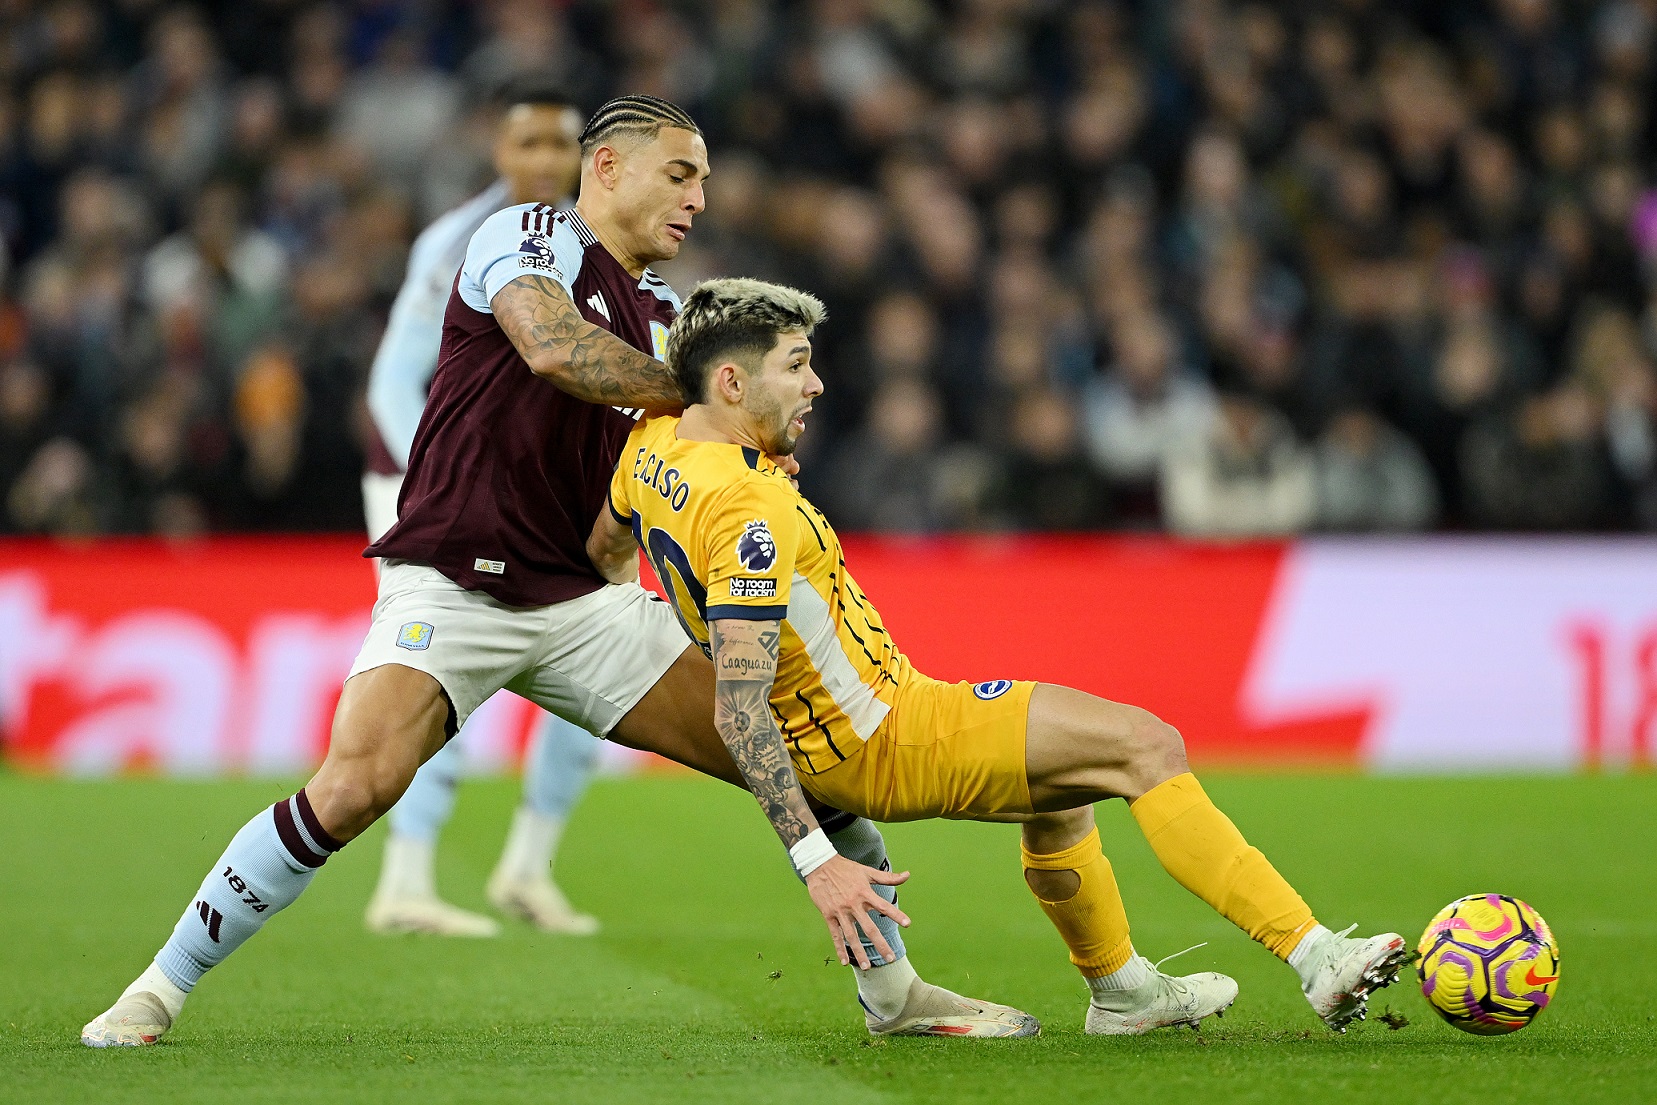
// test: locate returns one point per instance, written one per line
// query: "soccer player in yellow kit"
(812, 692)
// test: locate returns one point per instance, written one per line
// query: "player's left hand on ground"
(844, 893)
(790, 466)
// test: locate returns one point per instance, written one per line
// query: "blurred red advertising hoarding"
(226, 656)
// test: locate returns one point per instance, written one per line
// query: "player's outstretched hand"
(842, 892)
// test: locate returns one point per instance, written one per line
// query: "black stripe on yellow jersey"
(730, 537)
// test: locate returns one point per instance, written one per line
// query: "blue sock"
(561, 761)
(862, 843)
(429, 802)
(269, 864)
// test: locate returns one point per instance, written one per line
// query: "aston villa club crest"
(415, 636)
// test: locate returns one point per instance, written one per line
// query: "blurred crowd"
(1222, 268)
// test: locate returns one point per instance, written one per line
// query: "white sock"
(1133, 974)
(884, 989)
(1303, 958)
(152, 981)
(408, 868)
(531, 845)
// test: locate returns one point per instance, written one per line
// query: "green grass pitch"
(709, 983)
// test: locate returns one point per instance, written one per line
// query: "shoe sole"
(105, 1041)
(968, 1029)
(964, 1029)
(1380, 974)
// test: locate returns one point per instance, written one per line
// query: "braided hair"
(641, 115)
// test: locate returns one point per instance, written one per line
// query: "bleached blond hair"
(737, 319)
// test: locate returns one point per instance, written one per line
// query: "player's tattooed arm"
(587, 361)
(745, 667)
(612, 550)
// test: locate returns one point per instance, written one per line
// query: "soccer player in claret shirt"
(814, 697)
(485, 581)
(537, 155)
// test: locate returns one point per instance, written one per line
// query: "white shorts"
(588, 660)
(379, 502)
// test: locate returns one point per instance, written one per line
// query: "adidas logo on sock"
(212, 918)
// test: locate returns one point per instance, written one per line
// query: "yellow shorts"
(945, 750)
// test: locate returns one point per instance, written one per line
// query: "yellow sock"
(1201, 848)
(1092, 921)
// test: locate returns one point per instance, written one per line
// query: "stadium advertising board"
(227, 656)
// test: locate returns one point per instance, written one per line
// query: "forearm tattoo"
(587, 361)
(745, 667)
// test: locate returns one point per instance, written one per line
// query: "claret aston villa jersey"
(508, 473)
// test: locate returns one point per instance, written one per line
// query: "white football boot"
(389, 914)
(1164, 1001)
(540, 902)
(930, 1010)
(405, 899)
(133, 1021)
(140, 1016)
(1345, 970)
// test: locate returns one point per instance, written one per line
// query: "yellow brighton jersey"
(730, 537)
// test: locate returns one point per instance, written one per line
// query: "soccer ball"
(1489, 964)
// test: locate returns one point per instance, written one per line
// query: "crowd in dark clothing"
(1221, 268)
